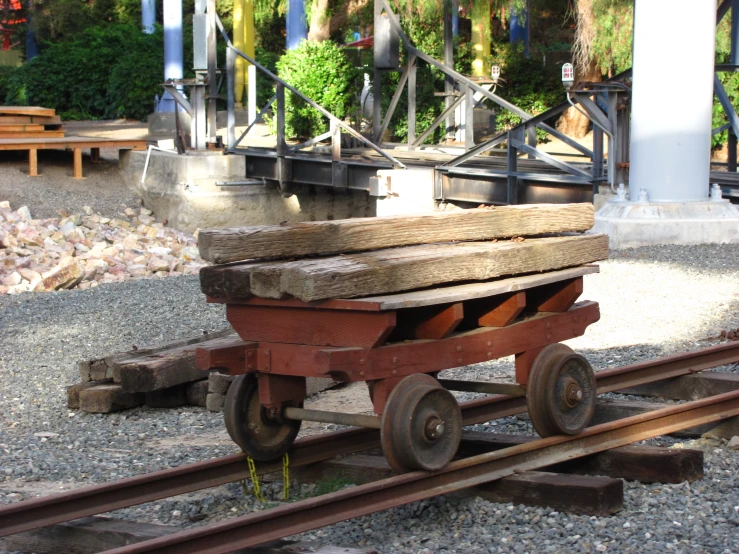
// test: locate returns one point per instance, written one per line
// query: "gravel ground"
(56, 187)
(653, 301)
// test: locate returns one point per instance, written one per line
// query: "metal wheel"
(561, 392)
(261, 435)
(421, 425)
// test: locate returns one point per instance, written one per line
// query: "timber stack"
(161, 376)
(29, 122)
(363, 257)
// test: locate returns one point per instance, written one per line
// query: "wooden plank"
(430, 297)
(103, 399)
(104, 368)
(196, 392)
(569, 493)
(73, 392)
(27, 110)
(429, 322)
(160, 371)
(172, 397)
(18, 128)
(78, 163)
(577, 494)
(459, 293)
(85, 536)
(646, 464)
(228, 355)
(557, 297)
(30, 119)
(498, 311)
(98, 534)
(688, 387)
(32, 135)
(316, 327)
(610, 410)
(352, 235)
(415, 267)
(33, 162)
(69, 142)
(422, 356)
(228, 281)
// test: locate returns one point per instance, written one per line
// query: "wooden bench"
(68, 143)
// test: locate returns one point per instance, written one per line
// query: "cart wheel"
(260, 436)
(561, 392)
(421, 425)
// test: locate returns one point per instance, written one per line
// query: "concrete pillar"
(148, 16)
(296, 23)
(520, 27)
(173, 65)
(671, 127)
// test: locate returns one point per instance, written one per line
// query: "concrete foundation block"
(634, 224)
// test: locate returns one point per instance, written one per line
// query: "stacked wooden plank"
(362, 257)
(163, 376)
(22, 122)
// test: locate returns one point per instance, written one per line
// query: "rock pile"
(83, 250)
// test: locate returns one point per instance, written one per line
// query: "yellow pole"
(249, 28)
(240, 66)
(481, 37)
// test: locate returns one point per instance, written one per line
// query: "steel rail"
(96, 499)
(258, 528)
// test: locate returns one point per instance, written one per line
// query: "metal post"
(31, 45)
(148, 16)
(732, 151)
(469, 118)
(598, 153)
(230, 99)
(377, 87)
(251, 71)
(411, 103)
(238, 41)
(173, 68)
(531, 139)
(515, 134)
(296, 28)
(449, 62)
(212, 68)
(481, 38)
(283, 170)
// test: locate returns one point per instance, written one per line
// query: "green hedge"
(109, 72)
(322, 72)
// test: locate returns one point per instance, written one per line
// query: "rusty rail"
(261, 527)
(57, 508)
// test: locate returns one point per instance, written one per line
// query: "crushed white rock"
(83, 250)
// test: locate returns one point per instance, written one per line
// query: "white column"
(148, 15)
(674, 49)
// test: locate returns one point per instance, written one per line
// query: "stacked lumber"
(362, 257)
(21, 122)
(162, 376)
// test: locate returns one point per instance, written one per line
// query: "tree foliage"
(322, 72)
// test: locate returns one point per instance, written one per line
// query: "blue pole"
(173, 65)
(520, 27)
(31, 46)
(297, 30)
(455, 18)
(734, 57)
(148, 16)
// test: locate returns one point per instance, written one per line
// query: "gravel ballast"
(654, 301)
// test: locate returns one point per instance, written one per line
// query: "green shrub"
(322, 72)
(108, 72)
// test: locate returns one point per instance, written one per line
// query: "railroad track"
(308, 514)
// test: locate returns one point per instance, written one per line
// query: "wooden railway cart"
(397, 344)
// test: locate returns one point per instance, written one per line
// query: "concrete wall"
(182, 190)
